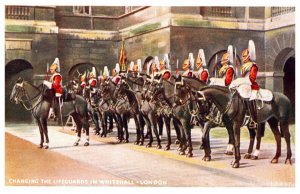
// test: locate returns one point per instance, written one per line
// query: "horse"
(38, 101)
(233, 107)
(134, 99)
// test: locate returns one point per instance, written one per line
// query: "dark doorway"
(80, 69)
(289, 83)
(13, 70)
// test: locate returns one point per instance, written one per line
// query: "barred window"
(82, 10)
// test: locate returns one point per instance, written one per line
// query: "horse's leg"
(260, 131)
(237, 138)
(252, 135)
(142, 126)
(274, 126)
(41, 133)
(153, 120)
(177, 130)
(205, 141)
(138, 129)
(120, 128)
(284, 127)
(160, 125)
(111, 123)
(125, 126)
(229, 149)
(183, 141)
(149, 131)
(45, 130)
(78, 127)
(96, 122)
(167, 120)
(102, 120)
(86, 126)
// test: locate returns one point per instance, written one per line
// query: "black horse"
(233, 108)
(38, 100)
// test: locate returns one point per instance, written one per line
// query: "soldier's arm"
(229, 76)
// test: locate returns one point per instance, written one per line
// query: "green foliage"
(145, 28)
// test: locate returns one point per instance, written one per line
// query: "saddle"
(245, 91)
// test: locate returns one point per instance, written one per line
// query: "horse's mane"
(193, 78)
(220, 88)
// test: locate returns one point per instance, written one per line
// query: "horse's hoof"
(206, 158)
(86, 144)
(254, 157)
(40, 146)
(247, 156)
(189, 155)
(46, 147)
(201, 147)
(96, 133)
(274, 161)
(148, 145)
(167, 148)
(119, 141)
(182, 153)
(177, 142)
(288, 161)
(141, 143)
(158, 147)
(236, 165)
(76, 144)
(136, 143)
(125, 141)
(179, 149)
(230, 153)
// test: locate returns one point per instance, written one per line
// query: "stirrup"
(252, 124)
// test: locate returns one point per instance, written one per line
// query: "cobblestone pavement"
(156, 167)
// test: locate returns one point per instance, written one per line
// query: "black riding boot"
(253, 110)
(56, 109)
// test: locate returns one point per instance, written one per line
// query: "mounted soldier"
(202, 72)
(92, 81)
(115, 74)
(226, 72)
(248, 78)
(164, 67)
(54, 83)
(82, 79)
(188, 66)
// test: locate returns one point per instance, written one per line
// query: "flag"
(122, 60)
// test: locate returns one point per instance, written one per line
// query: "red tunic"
(93, 82)
(252, 76)
(229, 76)
(56, 83)
(166, 75)
(203, 76)
(82, 85)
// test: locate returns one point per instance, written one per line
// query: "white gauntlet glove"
(47, 84)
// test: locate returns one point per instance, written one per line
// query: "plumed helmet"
(139, 65)
(117, 68)
(93, 73)
(55, 65)
(230, 52)
(201, 58)
(186, 64)
(149, 66)
(131, 66)
(105, 71)
(167, 61)
(251, 48)
(156, 62)
(192, 60)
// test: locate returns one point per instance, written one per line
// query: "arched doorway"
(79, 69)
(13, 70)
(289, 83)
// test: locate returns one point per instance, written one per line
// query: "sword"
(235, 61)
(215, 66)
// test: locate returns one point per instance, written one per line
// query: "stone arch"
(282, 57)
(14, 69)
(80, 68)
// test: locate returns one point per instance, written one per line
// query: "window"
(82, 10)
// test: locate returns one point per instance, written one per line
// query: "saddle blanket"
(262, 94)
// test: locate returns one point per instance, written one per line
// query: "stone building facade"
(86, 36)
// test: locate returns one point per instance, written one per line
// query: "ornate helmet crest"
(117, 68)
(93, 73)
(131, 66)
(139, 65)
(201, 57)
(156, 62)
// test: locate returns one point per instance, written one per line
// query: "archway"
(289, 83)
(79, 69)
(14, 69)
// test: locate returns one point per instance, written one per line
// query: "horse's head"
(73, 87)
(156, 88)
(181, 91)
(121, 87)
(18, 91)
(106, 88)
